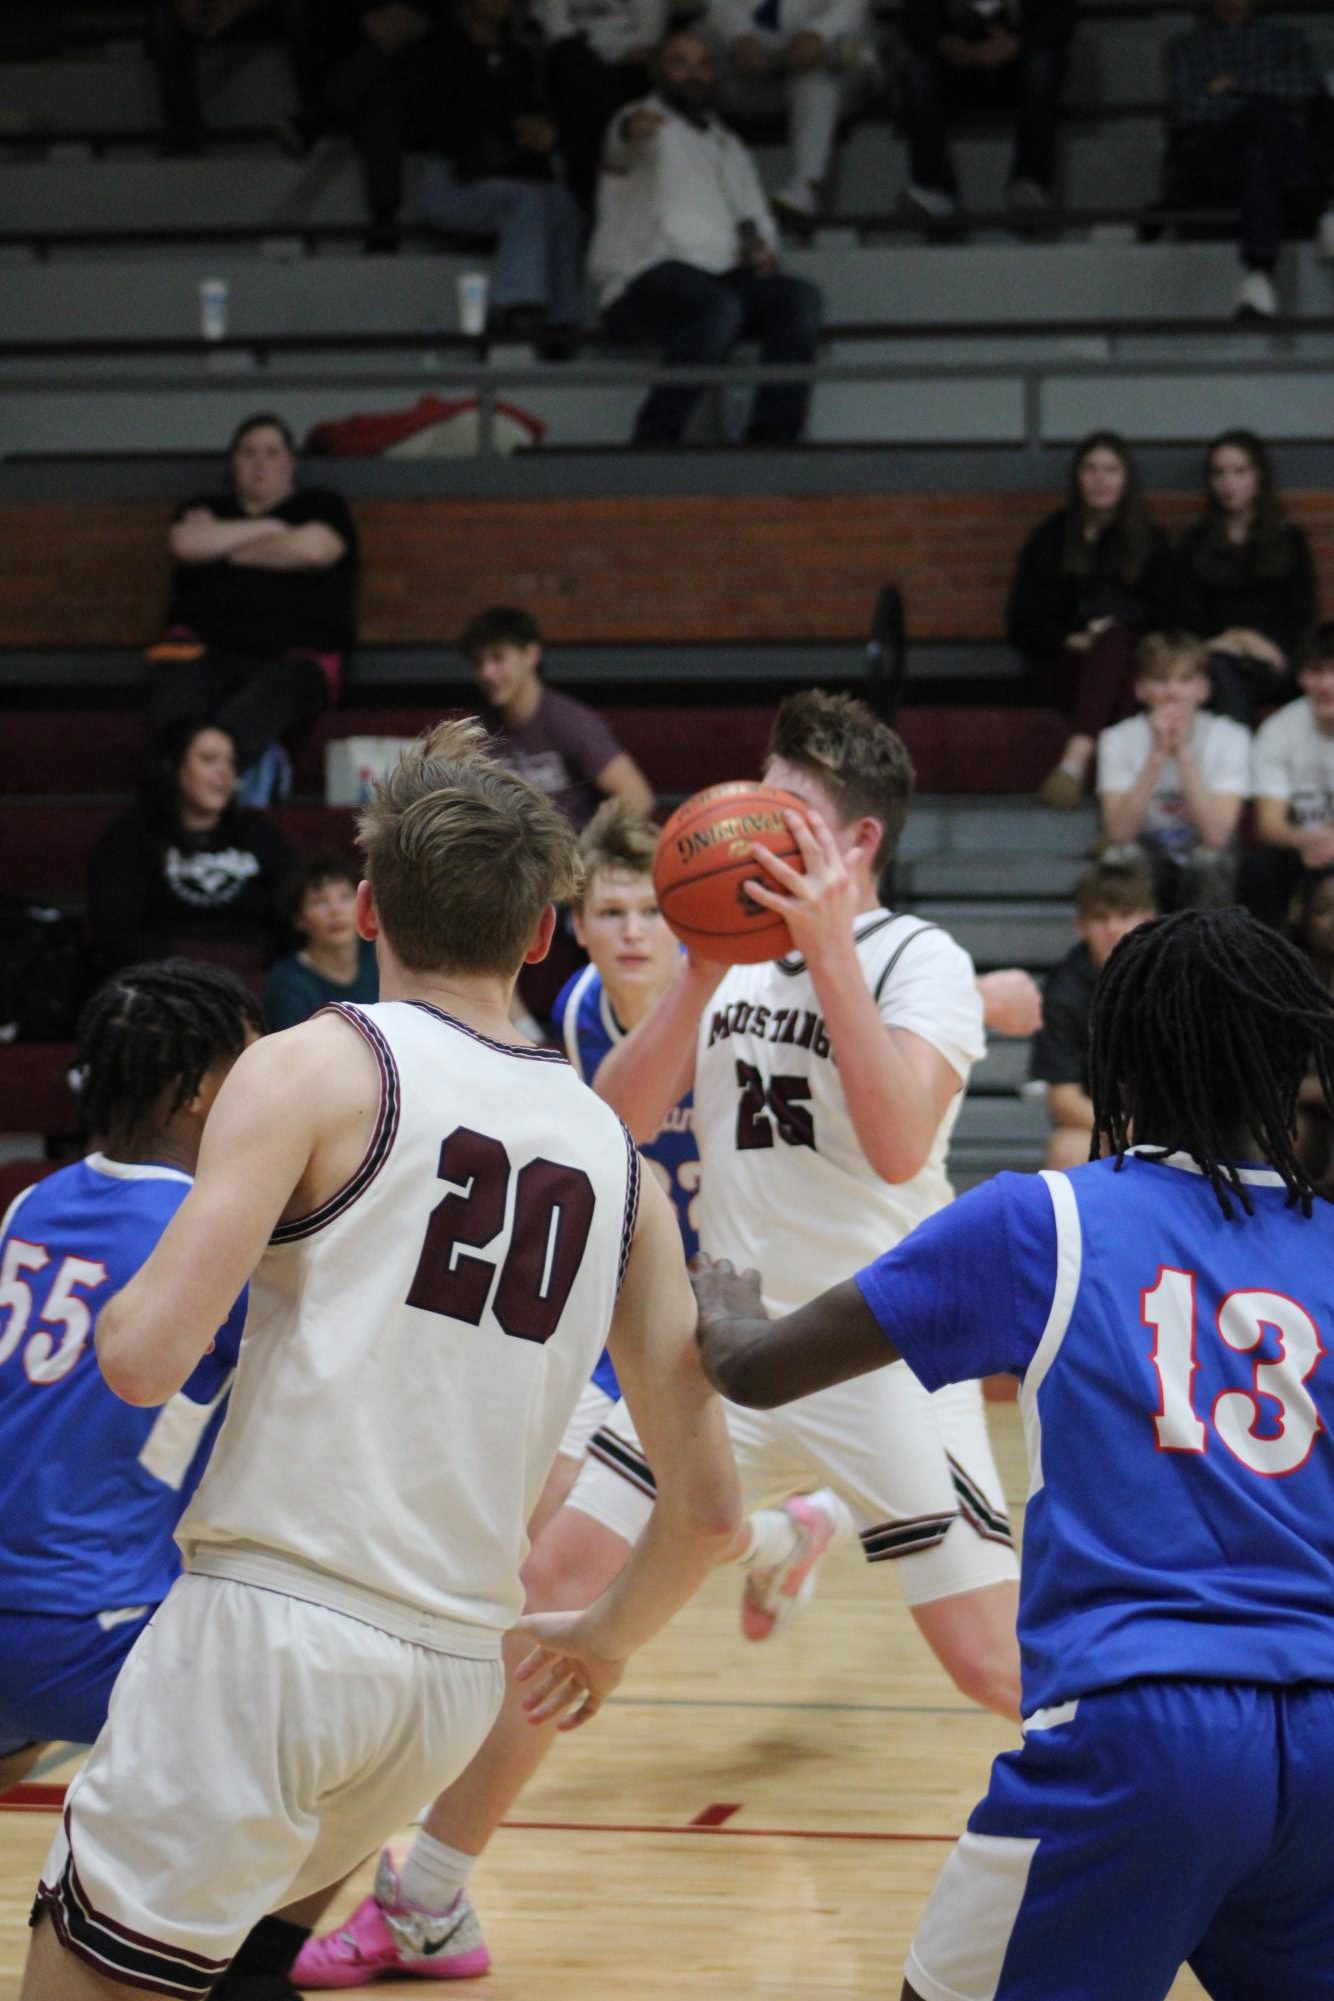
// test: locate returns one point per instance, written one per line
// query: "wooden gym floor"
(740, 1822)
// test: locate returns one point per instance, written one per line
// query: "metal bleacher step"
(1008, 875)
(1004, 932)
(1003, 1071)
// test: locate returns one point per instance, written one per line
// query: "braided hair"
(154, 1028)
(1205, 1024)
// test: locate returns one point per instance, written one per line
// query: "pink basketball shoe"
(387, 1939)
(772, 1598)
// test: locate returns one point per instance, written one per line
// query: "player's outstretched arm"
(653, 1067)
(256, 1147)
(698, 1507)
(761, 1362)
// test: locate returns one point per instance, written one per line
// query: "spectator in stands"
(685, 249)
(982, 55)
(188, 871)
(1110, 900)
(809, 58)
(174, 30)
(1090, 580)
(318, 901)
(1293, 786)
(563, 748)
(1244, 580)
(1311, 928)
(1240, 95)
(1172, 780)
(359, 65)
(493, 165)
(598, 59)
(263, 593)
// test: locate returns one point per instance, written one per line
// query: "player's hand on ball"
(818, 902)
(569, 1680)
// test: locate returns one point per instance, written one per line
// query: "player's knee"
(571, 1564)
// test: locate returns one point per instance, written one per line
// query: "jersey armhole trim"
(381, 1140)
(1069, 1264)
(894, 957)
(570, 1022)
(631, 1217)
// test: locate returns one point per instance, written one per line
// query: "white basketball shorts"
(257, 1748)
(915, 1470)
(592, 1410)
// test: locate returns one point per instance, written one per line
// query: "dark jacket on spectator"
(476, 94)
(1220, 585)
(151, 893)
(1047, 603)
(1038, 23)
(235, 609)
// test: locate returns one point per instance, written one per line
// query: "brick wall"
(630, 571)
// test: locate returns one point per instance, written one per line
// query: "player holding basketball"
(90, 1490)
(807, 1164)
(1170, 1313)
(446, 1223)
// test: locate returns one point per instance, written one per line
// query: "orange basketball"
(703, 864)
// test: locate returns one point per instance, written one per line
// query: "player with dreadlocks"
(1169, 1311)
(90, 1487)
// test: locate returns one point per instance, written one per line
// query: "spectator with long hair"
(186, 869)
(1091, 579)
(1244, 580)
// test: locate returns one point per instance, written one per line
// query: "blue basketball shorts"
(1140, 1829)
(56, 1673)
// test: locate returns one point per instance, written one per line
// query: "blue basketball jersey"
(1177, 1402)
(588, 1028)
(90, 1487)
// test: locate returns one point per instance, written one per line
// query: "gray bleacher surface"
(1024, 388)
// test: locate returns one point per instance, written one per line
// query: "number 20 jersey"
(784, 1183)
(415, 1348)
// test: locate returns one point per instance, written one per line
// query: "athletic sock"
(773, 1540)
(434, 1874)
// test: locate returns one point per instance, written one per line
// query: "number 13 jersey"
(784, 1183)
(415, 1348)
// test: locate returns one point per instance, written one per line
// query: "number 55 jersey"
(415, 1347)
(1177, 1395)
(784, 1183)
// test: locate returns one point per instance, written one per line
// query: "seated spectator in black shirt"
(358, 64)
(1090, 580)
(493, 169)
(318, 901)
(1240, 95)
(597, 63)
(262, 604)
(1244, 581)
(559, 745)
(982, 55)
(1110, 900)
(186, 871)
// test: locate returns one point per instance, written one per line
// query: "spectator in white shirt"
(1173, 779)
(685, 250)
(810, 57)
(598, 59)
(1294, 789)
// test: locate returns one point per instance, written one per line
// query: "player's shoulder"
(899, 945)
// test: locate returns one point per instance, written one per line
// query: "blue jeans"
(698, 317)
(538, 232)
(929, 87)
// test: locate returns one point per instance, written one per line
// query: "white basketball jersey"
(415, 1348)
(784, 1184)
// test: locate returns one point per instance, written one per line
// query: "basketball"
(703, 864)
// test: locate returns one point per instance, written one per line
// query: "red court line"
(49, 1799)
(731, 1833)
(25, 1798)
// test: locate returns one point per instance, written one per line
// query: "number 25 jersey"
(784, 1183)
(415, 1348)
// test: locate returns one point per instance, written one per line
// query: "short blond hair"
(1170, 656)
(462, 856)
(617, 838)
